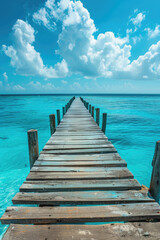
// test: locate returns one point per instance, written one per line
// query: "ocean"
(133, 126)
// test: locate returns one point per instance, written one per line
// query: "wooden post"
(97, 115)
(87, 105)
(93, 112)
(90, 108)
(33, 146)
(155, 179)
(58, 117)
(104, 122)
(52, 123)
(63, 111)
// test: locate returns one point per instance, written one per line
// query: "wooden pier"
(80, 188)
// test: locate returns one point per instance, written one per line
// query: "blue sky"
(90, 46)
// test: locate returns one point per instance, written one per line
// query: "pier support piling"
(58, 117)
(93, 112)
(104, 122)
(52, 123)
(33, 146)
(63, 111)
(155, 179)
(97, 115)
(87, 104)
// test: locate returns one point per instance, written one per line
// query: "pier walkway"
(81, 189)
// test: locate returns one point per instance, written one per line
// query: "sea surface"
(133, 126)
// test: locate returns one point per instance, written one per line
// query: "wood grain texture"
(82, 197)
(112, 174)
(115, 231)
(107, 213)
(76, 185)
(76, 169)
(79, 157)
(105, 163)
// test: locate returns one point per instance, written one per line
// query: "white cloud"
(64, 82)
(153, 33)
(38, 86)
(136, 39)
(18, 88)
(5, 86)
(5, 76)
(83, 53)
(147, 65)
(42, 17)
(137, 20)
(106, 55)
(26, 59)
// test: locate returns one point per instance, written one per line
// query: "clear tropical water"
(133, 127)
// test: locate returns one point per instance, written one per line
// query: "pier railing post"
(52, 123)
(93, 112)
(97, 115)
(155, 178)
(33, 146)
(90, 107)
(104, 122)
(63, 111)
(58, 117)
(87, 105)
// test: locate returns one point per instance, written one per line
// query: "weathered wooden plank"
(81, 198)
(78, 131)
(78, 126)
(115, 231)
(80, 151)
(71, 147)
(107, 213)
(84, 133)
(89, 122)
(54, 186)
(112, 174)
(79, 137)
(115, 163)
(74, 124)
(79, 157)
(76, 169)
(77, 142)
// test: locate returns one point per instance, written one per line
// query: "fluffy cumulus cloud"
(25, 58)
(85, 54)
(152, 33)
(147, 65)
(42, 17)
(137, 20)
(106, 55)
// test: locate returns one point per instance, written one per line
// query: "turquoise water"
(133, 127)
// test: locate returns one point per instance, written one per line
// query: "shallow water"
(132, 126)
